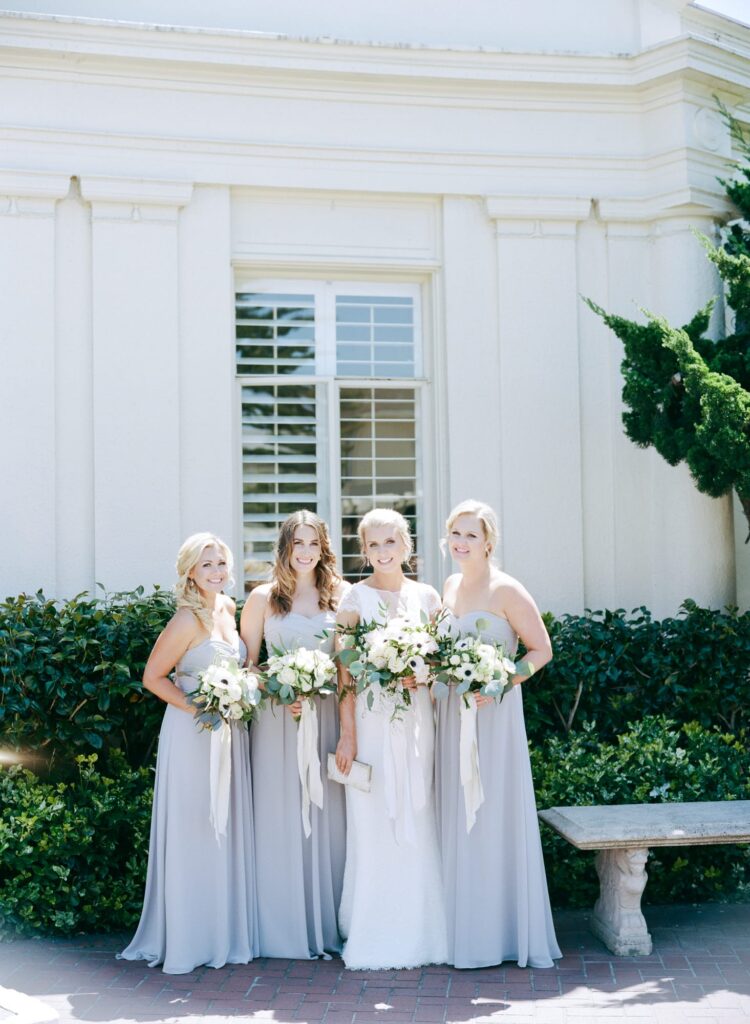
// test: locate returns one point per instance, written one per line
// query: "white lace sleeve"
(349, 602)
(431, 601)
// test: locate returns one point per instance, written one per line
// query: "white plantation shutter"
(331, 410)
(377, 432)
(279, 465)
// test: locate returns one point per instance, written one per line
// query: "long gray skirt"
(199, 905)
(299, 878)
(497, 903)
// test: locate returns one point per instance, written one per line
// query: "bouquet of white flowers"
(380, 655)
(290, 676)
(302, 674)
(225, 693)
(472, 666)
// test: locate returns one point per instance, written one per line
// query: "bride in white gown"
(392, 912)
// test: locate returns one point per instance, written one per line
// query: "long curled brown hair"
(284, 580)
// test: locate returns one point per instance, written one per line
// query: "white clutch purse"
(360, 774)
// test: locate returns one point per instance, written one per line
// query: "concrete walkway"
(699, 973)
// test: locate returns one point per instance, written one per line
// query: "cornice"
(192, 52)
(685, 202)
(542, 208)
(33, 184)
(137, 191)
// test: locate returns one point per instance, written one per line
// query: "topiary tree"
(687, 395)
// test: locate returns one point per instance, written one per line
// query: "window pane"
(279, 466)
(392, 479)
(375, 336)
(282, 331)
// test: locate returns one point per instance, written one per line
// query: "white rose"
(306, 661)
(234, 690)
(235, 712)
(287, 676)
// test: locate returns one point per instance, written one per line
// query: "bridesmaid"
(299, 878)
(199, 906)
(496, 889)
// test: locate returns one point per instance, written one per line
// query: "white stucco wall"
(141, 169)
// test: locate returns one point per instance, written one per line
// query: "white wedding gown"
(392, 912)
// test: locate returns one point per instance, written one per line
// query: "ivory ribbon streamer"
(403, 776)
(471, 780)
(221, 777)
(308, 762)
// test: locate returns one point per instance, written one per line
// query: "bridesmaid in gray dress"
(299, 877)
(493, 873)
(199, 905)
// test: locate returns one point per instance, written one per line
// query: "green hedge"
(655, 761)
(613, 668)
(73, 854)
(70, 672)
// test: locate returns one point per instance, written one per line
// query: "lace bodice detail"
(371, 604)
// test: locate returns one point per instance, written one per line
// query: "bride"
(392, 912)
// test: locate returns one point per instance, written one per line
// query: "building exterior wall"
(145, 171)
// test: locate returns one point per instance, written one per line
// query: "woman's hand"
(409, 682)
(346, 752)
(482, 699)
(296, 709)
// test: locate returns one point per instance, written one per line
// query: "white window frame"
(326, 290)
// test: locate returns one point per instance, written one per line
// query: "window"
(331, 394)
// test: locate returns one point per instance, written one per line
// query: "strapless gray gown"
(299, 878)
(199, 906)
(496, 895)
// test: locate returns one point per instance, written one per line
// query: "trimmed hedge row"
(613, 668)
(70, 672)
(73, 854)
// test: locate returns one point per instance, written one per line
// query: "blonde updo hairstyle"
(187, 594)
(385, 517)
(486, 516)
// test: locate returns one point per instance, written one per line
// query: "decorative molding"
(537, 216)
(33, 184)
(685, 202)
(49, 39)
(136, 191)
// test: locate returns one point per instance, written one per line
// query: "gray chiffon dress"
(199, 905)
(299, 878)
(496, 895)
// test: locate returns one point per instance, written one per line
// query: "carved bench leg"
(617, 919)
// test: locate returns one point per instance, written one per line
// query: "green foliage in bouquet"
(655, 761)
(687, 395)
(73, 854)
(70, 673)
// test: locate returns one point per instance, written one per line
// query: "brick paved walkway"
(699, 973)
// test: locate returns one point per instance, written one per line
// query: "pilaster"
(135, 326)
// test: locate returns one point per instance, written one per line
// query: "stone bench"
(622, 835)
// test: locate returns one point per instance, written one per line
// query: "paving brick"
(699, 972)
